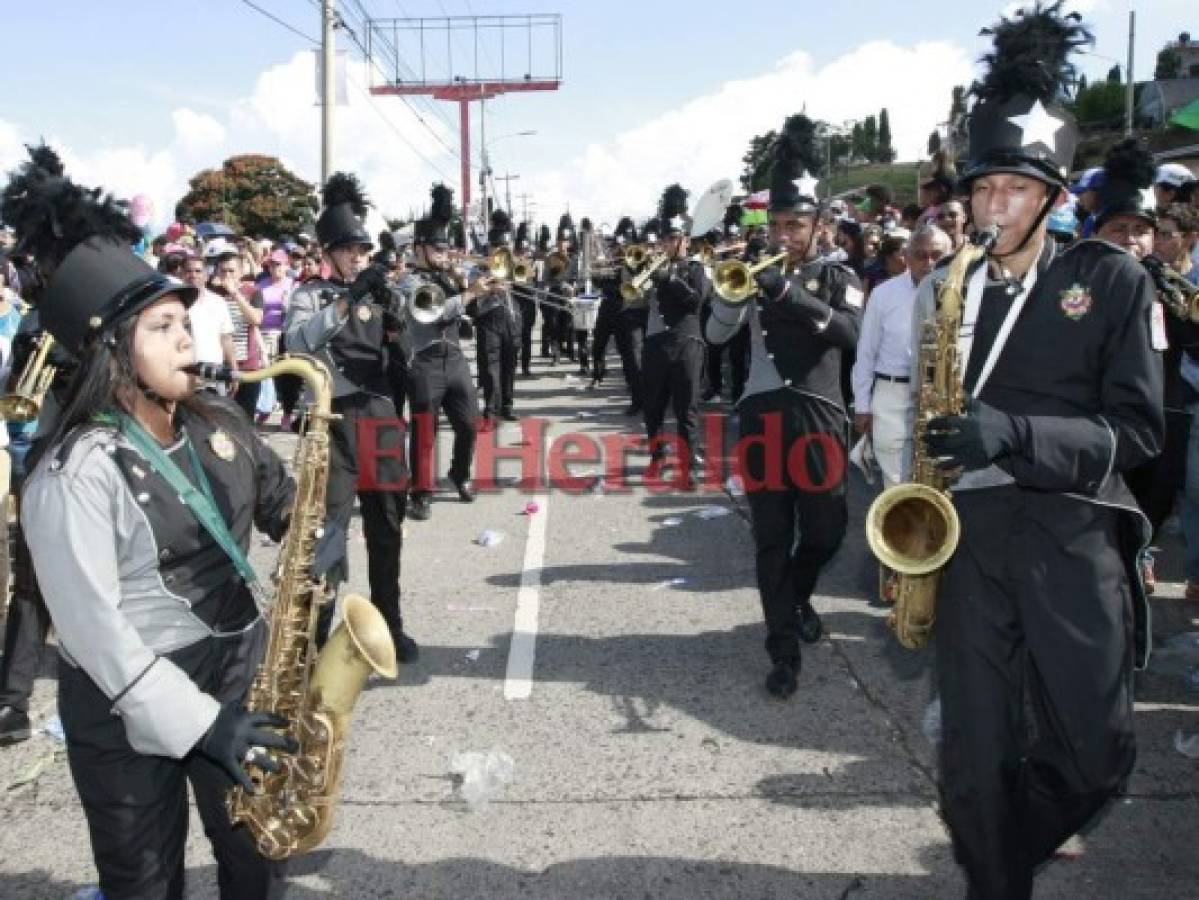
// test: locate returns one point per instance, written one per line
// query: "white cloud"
(703, 140)
(280, 118)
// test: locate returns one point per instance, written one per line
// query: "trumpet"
(426, 304)
(634, 289)
(24, 401)
(733, 280)
(1176, 293)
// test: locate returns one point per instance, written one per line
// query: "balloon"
(141, 210)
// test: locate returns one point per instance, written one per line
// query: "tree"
(755, 171)
(1113, 74)
(1081, 86)
(886, 153)
(1169, 64)
(934, 142)
(957, 105)
(1100, 104)
(857, 143)
(870, 139)
(252, 194)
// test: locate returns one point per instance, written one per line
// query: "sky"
(139, 96)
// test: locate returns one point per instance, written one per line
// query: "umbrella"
(1188, 116)
(760, 200)
(209, 230)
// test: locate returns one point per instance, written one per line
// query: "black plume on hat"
(1128, 171)
(585, 224)
(1018, 123)
(442, 208)
(673, 202)
(543, 238)
(566, 227)
(522, 234)
(796, 156)
(52, 215)
(501, 228)
(652, 227)
(342, 187)
(625, 228)
(732, 218)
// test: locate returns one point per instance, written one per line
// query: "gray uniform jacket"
(124, 591)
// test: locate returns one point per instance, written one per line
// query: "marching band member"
(526, 301)
(439, 375)
(1041, 597)
(348, 322)
(609, 323)
(497, 330)
(673, 363)
(738, 345)
(805, 319)
(561, 280)
(152, 600)
(635, 319)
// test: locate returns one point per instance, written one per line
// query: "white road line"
(518, 682)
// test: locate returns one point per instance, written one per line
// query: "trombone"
(24, 401)
(634, 289)
(733, 280)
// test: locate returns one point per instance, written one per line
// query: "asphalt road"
(647, 760)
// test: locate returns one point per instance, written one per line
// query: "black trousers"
(497, 370)
(1035, 604)
(528, 318)
(136, 805)
(561, 332)
(581, 345)
(382, 497)
(672, 373)
(247, 397)
(1157, 483)
(439, 379)
(24, 631)
(630, 342)
(738, 349)
(607, 326)
(799, 513)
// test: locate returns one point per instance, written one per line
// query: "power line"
(395, 128)
(274, 18)
(362, 47)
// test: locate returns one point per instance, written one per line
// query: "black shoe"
(783, 680)
(526, 373)
(510, 416)
(810, 627)
(407, 650)
(419, 507)
(658, 455)
(633, 409)
(466, 489)
(698, 461)
(14, 726)
(711, 394)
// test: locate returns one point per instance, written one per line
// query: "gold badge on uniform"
(222, 445)
(364, 312)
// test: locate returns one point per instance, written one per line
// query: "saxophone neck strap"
(200, 501)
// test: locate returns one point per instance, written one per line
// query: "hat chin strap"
(1036, 224)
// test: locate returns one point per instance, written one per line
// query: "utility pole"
(524, 207)
(328, 91)
(508, 179)
(1132, 82)
(485, 169)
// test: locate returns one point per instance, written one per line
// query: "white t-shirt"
(210, 321)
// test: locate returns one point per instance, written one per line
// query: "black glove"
(676, 288)
(371, 282)
(234, 732)
(971, 441)
(772, 281)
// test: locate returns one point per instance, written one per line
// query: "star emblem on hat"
(806, 184)
(1037, 126)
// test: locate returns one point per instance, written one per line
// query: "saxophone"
(1176, 294)
(913, 528)
(292, 810)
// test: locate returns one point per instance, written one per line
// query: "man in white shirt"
(211, 325)
(882, 371)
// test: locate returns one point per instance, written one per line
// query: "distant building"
(1158, 100)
